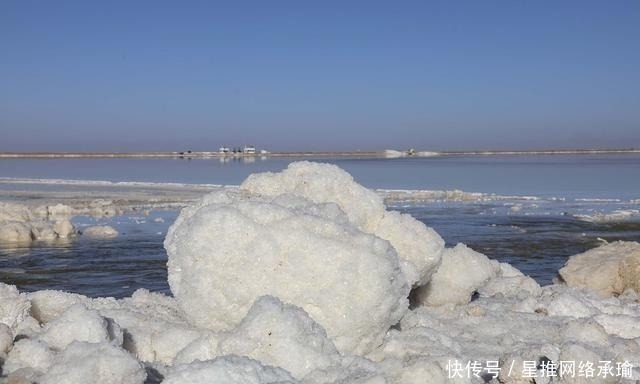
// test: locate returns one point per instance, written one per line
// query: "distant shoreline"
(373, 154)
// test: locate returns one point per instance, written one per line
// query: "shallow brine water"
(536, 244)
(559, 218)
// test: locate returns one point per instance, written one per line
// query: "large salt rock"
(234, 248)
(273, 333)
(227, 369)
(14, 306)
(418, 246)
(608, 270)
(103, 363)
(79, 324)
(463, 271)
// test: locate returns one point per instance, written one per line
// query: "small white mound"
(462, 272)
(47, 305)
(233, 248)
(103, 363)
(510, 282)
(273, 333)
(419, 247)
(228, 369)
(6, 339)
(27, 353)
(100, 232)
(15, 232)
(281, 335)
(79, 324)
(607, 270)
(14, 306)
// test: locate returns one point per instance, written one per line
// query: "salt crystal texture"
(78, 324)
(103, 363)
(14, 306)
(274, 333)
(227, 369)
(463, 271)
(418, 246)
(224, 255)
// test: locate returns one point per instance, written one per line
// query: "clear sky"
(318, 75)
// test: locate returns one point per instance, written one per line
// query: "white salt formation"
(227, 369)
(607, 270)
(274, 333)
(462, 272)
(229, 252)
(103, 363)
(418, 247)
(309, 284)
(100, 231)
(21, 223)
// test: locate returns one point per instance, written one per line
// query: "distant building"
(249, 150)
(224, 149)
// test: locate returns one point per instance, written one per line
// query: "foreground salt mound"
(79, 324)
(149, 325)
(607, 270)
(6, 339)
(418, 246)
(462, 272)
(274, 333)
(227, 369)
(103, 363)
(556, 323)
(32, 357)
(234, 247)
(14, 306)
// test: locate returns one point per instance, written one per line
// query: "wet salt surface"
(615, 176)
(536, 239)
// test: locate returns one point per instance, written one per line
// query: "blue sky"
(323, 75)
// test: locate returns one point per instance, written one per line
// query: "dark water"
(536, 244)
